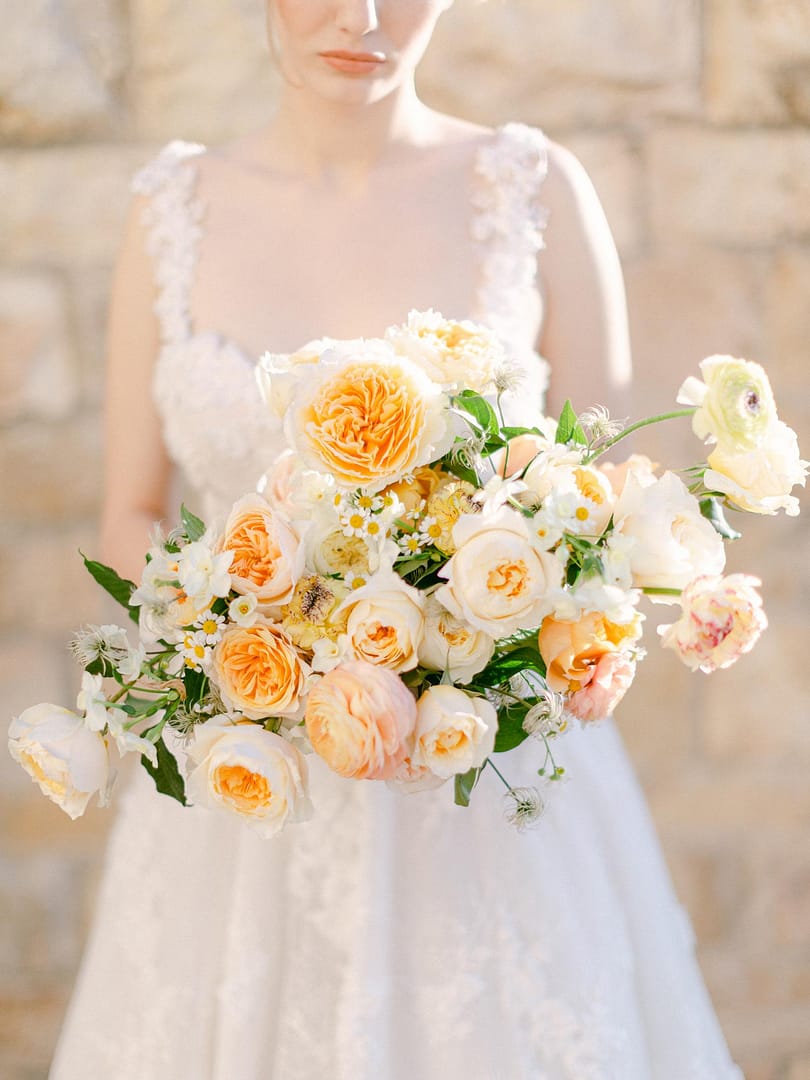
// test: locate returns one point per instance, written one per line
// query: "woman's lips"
(351, 63)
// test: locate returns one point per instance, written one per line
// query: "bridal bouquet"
(417, 586)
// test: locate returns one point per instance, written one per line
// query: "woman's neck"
(342, 143)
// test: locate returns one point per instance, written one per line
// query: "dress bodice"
(216, 428)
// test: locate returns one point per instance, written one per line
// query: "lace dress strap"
(172, 218)
(507, 230)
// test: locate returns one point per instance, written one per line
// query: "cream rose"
(359, 719)
(496, 581)
(256, 775)
(68, 761)
(267, 554)
(721, 619)
(673, 541)
(456, 355)
(385, 621)
(735, 405)
(368, 417)
(760, 480)
(452, 645)
(455, 732)
(258, 671)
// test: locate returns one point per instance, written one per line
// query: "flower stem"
(498, 773)
(650, 591)
(676, 414)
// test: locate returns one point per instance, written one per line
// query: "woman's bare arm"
(137, 470)
(585, 336)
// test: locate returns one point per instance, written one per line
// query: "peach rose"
(722, 619)
(611, 677)
(368, 418)
(256, 775)
(258, 671)
(268, 557)
(385, 621)
(359, 718)
(571, 649)
(637, 465)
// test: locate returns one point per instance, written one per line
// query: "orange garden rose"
(571, 650)
(418, 487)
(258, 671)
(359, 718)
(369, 419)
(268, 557)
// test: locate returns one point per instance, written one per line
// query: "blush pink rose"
(359, 719)
(722, 618)
(610, 680)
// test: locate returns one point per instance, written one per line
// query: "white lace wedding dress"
(393, 936)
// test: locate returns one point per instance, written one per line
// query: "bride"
(392, 936)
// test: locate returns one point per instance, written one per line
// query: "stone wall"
(692, 118)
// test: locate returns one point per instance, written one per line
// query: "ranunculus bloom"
(496, 581)
(572, 649)
(368, 417)
(722, 618)
(450, 644)
(57, 750)
(268, 557)
(455, 732)
(456, 355)
(385, 621)
(415, 489)
(611, 677)
(258, 671)
(359, 718)
(760, 480)
(735, 405)
(673, 541)
(254, 774)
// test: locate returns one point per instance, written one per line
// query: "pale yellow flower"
(446, 506)
(312, 611)
(735, 405)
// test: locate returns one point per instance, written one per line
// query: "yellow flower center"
(244, 789)
(581, 513)
(508, 578)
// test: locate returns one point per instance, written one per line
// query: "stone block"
(61, 64)
(787, 313)
(799, 1067)
(708, 882)
(779, 912)
(613, 166)
(51, 472)
(200, 71)
(742, 189)
(560, 65)
(65, 206)
(90, 294)
(759, 709)
(758, 61)
(48, 590)
(37, 376)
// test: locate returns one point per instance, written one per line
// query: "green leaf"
(480, 410)
(510, 726)
(569, 428)
(465, 785)
(463, 472)
(712, 510)
(510, 432)
(120, 589)
(504, 667)
(167, 776)
(191, 523)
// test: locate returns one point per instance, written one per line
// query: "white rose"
(278, 373)
(452, 645)
(57, 749)
(546, 468)
(385, 621)
(674, 543)
(454, 733)
(760, 480)
(496, 581)
(456, 355)
(254, 774)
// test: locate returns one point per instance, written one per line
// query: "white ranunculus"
(452, 645)
(385, 621)
(735, 406)
(760, 480)
(455, 732)
(253, 774)
(57, 749)
(674, 543)
(496, 580)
